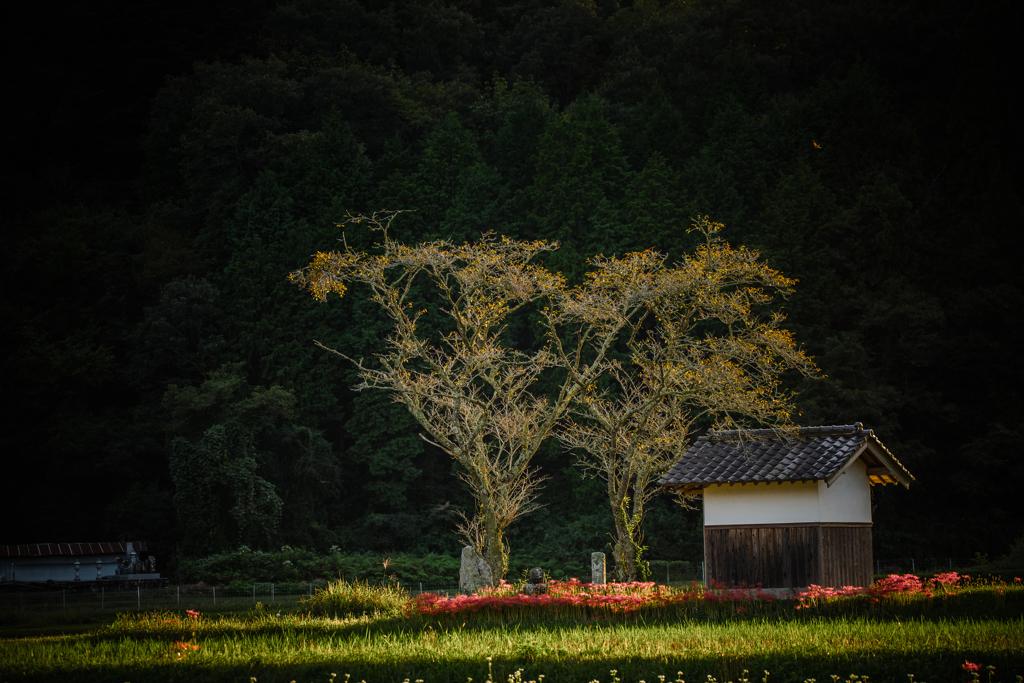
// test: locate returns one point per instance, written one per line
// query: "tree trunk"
(494, 549)
(624, 551)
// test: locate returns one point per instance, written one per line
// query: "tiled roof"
(68, 549)
(764, 455)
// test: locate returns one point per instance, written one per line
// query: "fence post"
(214, 596)
(667, 575)
(179, 595)
(101, 596)
(912, 569)
(138, 594)
(704, 575)
(950, 564)
(421, 588)
(271, 593)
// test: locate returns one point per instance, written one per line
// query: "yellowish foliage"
(696, 342)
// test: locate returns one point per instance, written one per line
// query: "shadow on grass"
(260, 645)
(556, 668)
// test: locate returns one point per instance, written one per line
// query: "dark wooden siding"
(778, 556)
(846, 551)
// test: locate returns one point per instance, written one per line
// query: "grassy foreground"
(627, 634)
(167, 647)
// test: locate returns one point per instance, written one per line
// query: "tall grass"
(356, 598)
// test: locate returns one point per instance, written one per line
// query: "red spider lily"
(907, 584)
(969, 667)
(613, 597)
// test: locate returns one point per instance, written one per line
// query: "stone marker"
(597, 568)
(535, 582)
(474, 572)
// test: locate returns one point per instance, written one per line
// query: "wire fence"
(124, 598)
(676, 572)
(91, 597)
(95, 596)
(197, 597)
(924, 565)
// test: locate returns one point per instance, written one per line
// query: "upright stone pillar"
(474, 573)
(597, 569)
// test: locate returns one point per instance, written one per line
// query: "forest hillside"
(170, 164)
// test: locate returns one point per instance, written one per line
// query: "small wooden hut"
(787, 509)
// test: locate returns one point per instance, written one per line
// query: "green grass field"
(926, 639)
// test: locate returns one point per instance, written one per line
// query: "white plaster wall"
(761, 503)
(847, 500)
(849, 497)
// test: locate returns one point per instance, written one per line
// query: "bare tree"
(475, 396)
(471, 393)
(702, 352)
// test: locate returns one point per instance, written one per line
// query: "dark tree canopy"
(168, 167)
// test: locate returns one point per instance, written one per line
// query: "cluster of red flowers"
(613, 597)
(630, 597)
(894, 583)
(949, 578)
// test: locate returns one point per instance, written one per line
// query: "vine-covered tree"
(474, 394)
(699, 351)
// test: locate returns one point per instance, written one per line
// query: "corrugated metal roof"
(765, 455)
(68, 549)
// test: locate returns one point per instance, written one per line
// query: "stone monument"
(597, 569)
(474, 573)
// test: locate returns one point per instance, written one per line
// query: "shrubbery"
(291, 565)
(245, 566)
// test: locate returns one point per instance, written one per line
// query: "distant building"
(40, 562)
(786, 510)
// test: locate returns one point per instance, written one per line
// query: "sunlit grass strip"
(150, 648)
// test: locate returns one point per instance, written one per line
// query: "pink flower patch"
(612, 597)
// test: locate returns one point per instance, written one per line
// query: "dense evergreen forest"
(169, 164)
